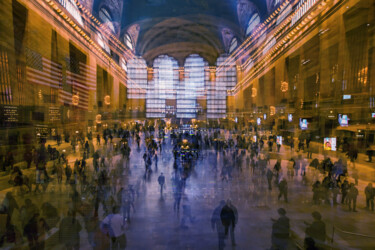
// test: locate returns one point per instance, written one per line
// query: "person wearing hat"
(280, 231)
(317, 229)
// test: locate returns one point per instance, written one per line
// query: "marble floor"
(155, 224)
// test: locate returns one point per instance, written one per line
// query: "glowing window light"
(253, 22)
(162, 87)
(123, 64)
(128, 41)
(106, 18)
(192, 87)
(103, 42)
(302, 8)
(137, 75)
(233, 45)
(73, 10)
(269, 44)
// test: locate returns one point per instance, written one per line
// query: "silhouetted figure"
(283, 190)
(280, 231)
(309, 244)
(269, 178)
(352, 197)
(218, 225)
(370, 193)
(317, 229)
(229, 219)
(161, 181)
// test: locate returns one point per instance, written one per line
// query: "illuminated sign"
(346, 97)
(258, 121)
(303, 124)
(343, 120)
(10, 113)
(265, 116)
(330, 143)
(255, 138)
(279, 140)
(373, 115)
(290, 117)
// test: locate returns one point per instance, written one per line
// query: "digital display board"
(290, 117)
(303, 124)
(343, 120)
(330, 144)
(279, 140)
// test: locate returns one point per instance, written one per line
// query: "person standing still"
(161, 181)
(370, 193)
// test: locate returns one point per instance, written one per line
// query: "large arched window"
(137, 74)
(102, 41)
(253, 22)
(193, 87)
(106, 19)
(72, 8)
(162, 87)
(123, 64)
(128, 41)
(233, 44)
(269, 44)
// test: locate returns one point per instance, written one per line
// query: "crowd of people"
(96, 174)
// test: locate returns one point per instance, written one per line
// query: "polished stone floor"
(156, 225)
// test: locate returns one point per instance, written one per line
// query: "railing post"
(333, 235)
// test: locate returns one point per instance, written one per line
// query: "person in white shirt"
(115, 224)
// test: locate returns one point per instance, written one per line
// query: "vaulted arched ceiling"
(180, 27)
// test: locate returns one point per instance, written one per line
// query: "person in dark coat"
(280, 231)
(31, 232)
(317, 229)
(69, 232)
(218, 225)
(370, 193)
(283, 190)
(269, 178)
(229, 219)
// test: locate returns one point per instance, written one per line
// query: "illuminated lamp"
(253, 92)
(98, 118)
(284, 86)
(107, 100)
(75, 100)
(272, 110)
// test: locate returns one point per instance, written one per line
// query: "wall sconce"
(75, 99)
(98, 118)
(284, 86)
(253, 92)
(107, 100)
(272, 110)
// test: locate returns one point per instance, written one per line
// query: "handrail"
(356, 234)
